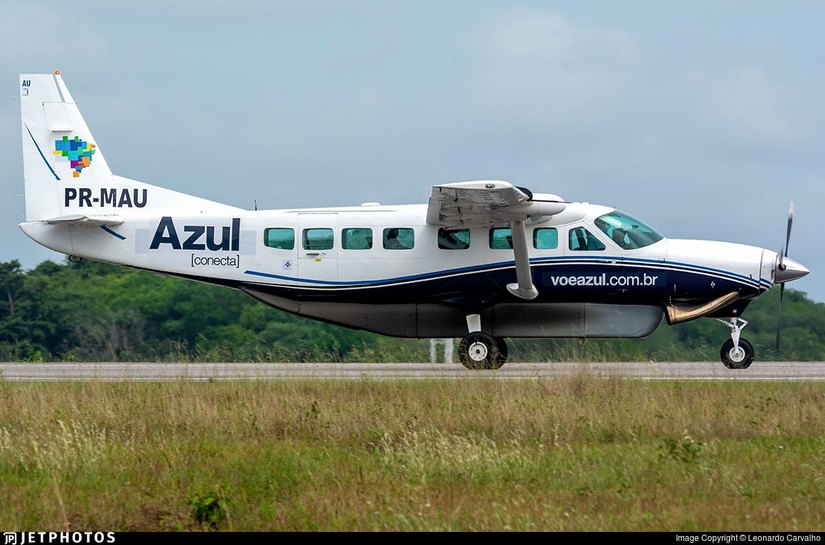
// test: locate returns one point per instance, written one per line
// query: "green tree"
(93, 311)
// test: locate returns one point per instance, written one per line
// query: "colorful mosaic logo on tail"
(77, 151)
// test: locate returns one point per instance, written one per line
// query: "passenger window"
(501, 238)
(399, 238)
(317, 239)
(545, 238)
(583, 240)
(453, 239)
(356, 238)
(282, 238)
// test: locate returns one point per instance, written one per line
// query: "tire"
(734, 360)
(480, 351)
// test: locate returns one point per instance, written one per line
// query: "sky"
(705, 119)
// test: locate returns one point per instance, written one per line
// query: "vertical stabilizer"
(59, 151)
(66, 177)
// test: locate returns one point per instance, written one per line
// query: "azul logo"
(77, 151)
(201, 237)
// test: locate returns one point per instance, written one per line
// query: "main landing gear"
(736, 353)
(479, 350)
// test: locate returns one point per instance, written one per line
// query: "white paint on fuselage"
(256, 263)
(747, 261)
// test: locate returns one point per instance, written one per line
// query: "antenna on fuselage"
(255, 201)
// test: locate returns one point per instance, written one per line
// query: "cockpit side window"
(626, 231)
(582, 240)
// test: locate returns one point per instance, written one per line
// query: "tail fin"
(58, 148)
(65, 173)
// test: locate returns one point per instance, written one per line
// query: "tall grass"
(577, 453)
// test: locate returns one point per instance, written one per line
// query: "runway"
(787, 371)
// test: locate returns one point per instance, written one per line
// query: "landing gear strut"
(479, 350)
(736, 353)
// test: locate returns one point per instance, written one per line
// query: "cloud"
(540, 70)
(33, 32)
(744, 110)
(19, 40)
(572, 85)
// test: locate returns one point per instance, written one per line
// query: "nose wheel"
(737, 357)
(736, 353)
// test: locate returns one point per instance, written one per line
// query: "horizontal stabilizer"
(88, 220)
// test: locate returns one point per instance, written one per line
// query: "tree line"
(89, 311)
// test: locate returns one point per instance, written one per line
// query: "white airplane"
(483, 260)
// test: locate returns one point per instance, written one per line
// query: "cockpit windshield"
(626, 231)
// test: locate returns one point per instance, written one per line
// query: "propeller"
(780, 266)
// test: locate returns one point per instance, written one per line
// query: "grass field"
(581, 453)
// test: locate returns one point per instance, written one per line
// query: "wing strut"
(524, 288)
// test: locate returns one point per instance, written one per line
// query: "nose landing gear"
(736, 353)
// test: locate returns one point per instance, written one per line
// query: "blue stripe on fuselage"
(612, 261)
(400, 279)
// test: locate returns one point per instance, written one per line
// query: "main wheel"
(737, 359)
(479, 350)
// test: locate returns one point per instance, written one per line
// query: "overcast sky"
(704, 118)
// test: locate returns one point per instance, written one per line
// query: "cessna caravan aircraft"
(483, 260)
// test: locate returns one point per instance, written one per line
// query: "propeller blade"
(783, 253)
(788, 232)
(781, 266)
(779, 316)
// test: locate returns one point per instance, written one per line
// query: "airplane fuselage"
(336, 264)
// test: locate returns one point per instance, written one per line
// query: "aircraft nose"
(790, 270)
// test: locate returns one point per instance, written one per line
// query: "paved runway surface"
(350, 371)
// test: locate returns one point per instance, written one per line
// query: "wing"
(486, 203)
(493, 202)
